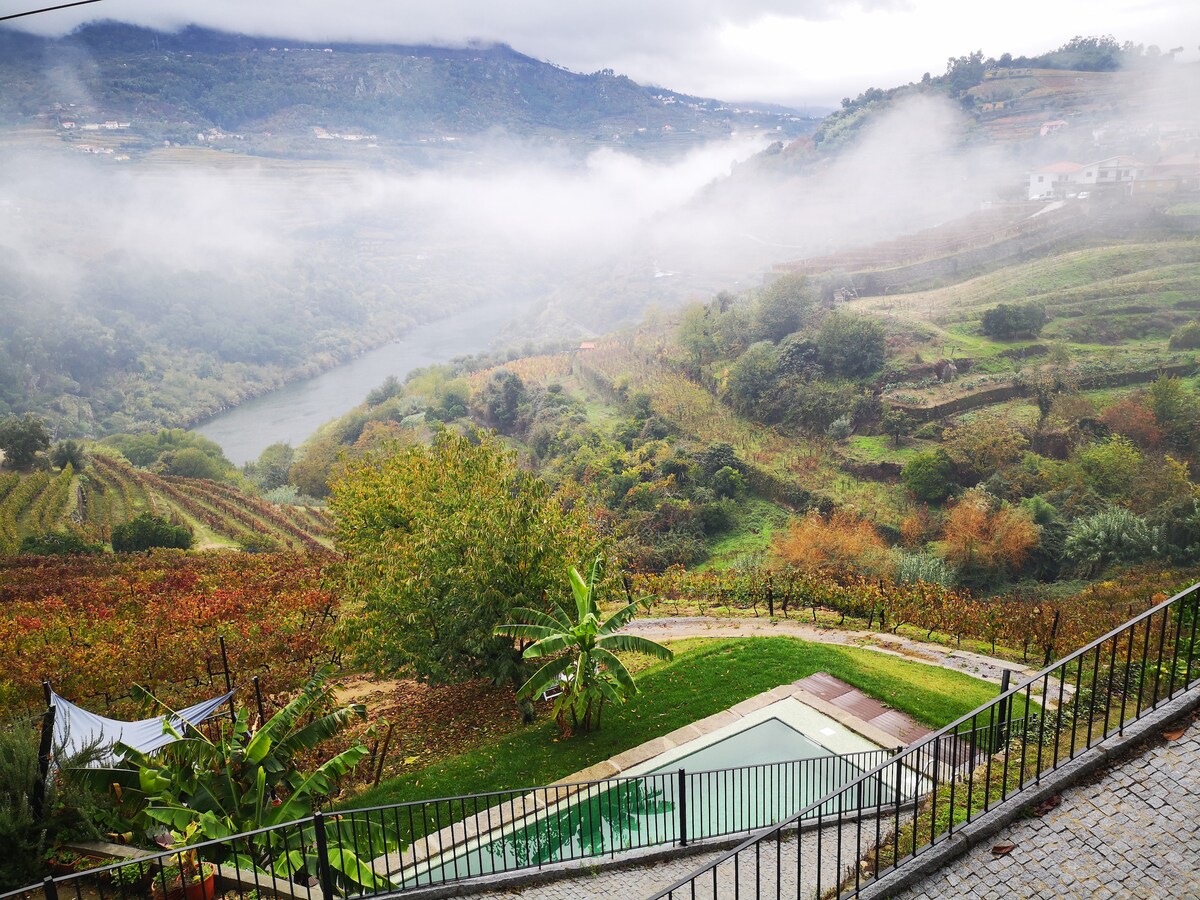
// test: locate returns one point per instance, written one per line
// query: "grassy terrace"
(705, 677)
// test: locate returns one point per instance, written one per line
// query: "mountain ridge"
(173, 85)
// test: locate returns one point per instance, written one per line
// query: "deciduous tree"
(842, 543)
(441, 543)
(22, 438)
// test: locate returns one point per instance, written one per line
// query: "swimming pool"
(751, 773)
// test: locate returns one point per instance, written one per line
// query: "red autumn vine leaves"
(95, 625)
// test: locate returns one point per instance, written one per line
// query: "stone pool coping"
(495, 818)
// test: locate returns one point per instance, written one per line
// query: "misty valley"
(433, 422)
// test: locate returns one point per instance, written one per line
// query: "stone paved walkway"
(639, 882)
(1132, 832)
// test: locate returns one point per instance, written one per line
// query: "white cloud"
(782, 50)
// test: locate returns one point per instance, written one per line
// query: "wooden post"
(45, 749)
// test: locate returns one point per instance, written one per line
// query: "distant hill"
(272, 91)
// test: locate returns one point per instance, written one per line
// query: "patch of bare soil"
(429, 722)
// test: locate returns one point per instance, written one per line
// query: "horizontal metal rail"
(976, 763)
(402, 846)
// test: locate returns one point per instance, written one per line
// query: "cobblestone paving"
(640, 882)
(1131, 833)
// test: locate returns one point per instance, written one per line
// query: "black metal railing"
(982, 760)
(398, 847)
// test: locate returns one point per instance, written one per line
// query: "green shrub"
(1008, 321)
(1186, 337)
(914, 567)
(1112, 535)
(147, 531)
(58, 543)
(22, 838)
(929, 475)
(68, 811)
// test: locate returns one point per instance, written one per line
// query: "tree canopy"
(22, 438)
(442, 543)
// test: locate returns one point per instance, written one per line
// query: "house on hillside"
(1054, 180)
(1180, 172)
(1117, 170)
(1067, 179)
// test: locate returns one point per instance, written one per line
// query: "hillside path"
(677, 627)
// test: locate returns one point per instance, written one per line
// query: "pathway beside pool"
(834, 714)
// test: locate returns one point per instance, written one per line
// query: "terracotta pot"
(203, 889)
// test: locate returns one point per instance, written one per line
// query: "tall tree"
(22, 438)
(850, 346)
(441, 543)
(780, 308)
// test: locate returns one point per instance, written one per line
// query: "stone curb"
(1070, 774)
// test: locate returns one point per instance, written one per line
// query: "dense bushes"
(1009, 321)
(148, 530)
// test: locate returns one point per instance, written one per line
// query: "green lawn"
(875, 448)
(705, 677)
(757, 522)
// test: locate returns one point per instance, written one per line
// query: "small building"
(1053, 180)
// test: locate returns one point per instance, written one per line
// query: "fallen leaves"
(1043, 807)
(1174, 734)
(1003, 849)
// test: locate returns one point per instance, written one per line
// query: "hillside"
(109, 491)
(708, 434)
(272, 96)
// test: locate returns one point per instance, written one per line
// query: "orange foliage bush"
(844, 542)
(916, 528)
(1131, 417)
(980, 536)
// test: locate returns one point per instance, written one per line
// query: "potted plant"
(132, 878)
(188, 877)
(62, 861)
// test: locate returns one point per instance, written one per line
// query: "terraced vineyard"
(110, 491)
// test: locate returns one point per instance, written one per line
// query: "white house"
(1062, 179)
(1053, 180)
(1118, 170)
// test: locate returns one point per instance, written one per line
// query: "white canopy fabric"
(76, 728)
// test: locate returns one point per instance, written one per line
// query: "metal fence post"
(324, 875)
(262, 719)
(683, 826)
(50, 888)
(1002, 711)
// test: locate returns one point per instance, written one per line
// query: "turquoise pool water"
(748, 780)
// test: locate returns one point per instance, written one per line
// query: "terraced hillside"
(1111, 312)
(109, 491)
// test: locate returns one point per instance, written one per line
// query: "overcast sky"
(788, 51)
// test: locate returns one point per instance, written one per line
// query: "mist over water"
(228, 260)
(291, 414)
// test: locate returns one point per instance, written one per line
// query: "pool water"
(750, 779)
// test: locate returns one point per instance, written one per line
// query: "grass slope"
(705, 677)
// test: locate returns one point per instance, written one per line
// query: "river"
(291, 414)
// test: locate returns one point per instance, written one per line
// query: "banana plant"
(248, 780)
(582, 653)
